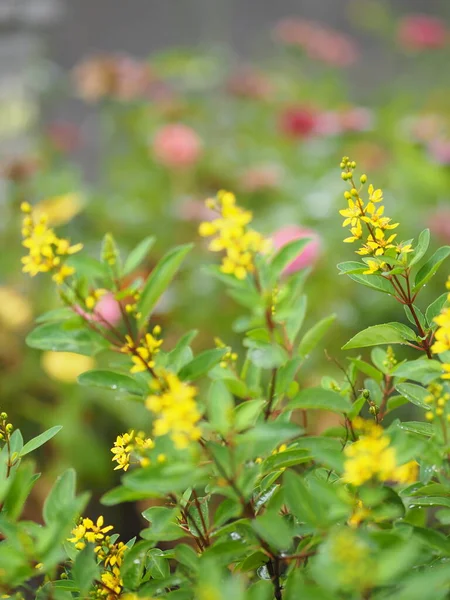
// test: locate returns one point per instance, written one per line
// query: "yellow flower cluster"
(437, 400)
(109, 554)
(128, 444)
(367, 222)
(176, 409)
(442, 335)
(372, 458)
(233, 236)
(92, 299)
(142, 355)
(45, 249)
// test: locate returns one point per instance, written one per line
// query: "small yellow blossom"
(175, 409)
(239, 242)
(143, 355)
(45, 249)
(373, 458)
(89, 532)
(127, 444)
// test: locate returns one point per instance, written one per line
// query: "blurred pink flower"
(439, 223)
(426, 127)
(421, 32)
(64, 135)
(310, 253)
(260, 177)
(177, 146)
(319, 42)
(439, 151)
(247, 82)
(357, 118)
(298, 121)
(107, 309)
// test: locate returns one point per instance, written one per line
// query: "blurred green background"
(128, 115)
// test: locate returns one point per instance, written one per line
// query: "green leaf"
(387, 333)
(181, 354)
(57, 314)
(374, 282)
(220, 407)
(422, 370)
(264, 437)
(60, 337)
(163, 524)
(157, 564)
(39, 440)
(425, 429)
(246, 414)
(413, 393)
(159, 279)
(350, 267)
(86, 266)
(137, 255)
(273, 529)
(287, 458)
(133, 566)
(285, 256)
(267, 356)
(313, 336)
(435, 308)
(422, 246)
(320, 399)
(430, 267)
(111, 380)
(85, 569)
(294, 320)
(62, 492)
(161, 480)
(300, 500)
(121, 494)
(367, 369)
(202, 364)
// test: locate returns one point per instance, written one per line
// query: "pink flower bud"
(310, 253)
(421, 32)
(108, 308)
(177, 146)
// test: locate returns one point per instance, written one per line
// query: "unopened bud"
(363, 179)
(366, 394)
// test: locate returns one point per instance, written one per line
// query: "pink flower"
(439, 224)
(261, 177)
(298, 121)
(310, 253)
(439, 151)
(421, 32)
(357, 118)
(106, 309)
(177, 146)
(319, 42)
(64, 135)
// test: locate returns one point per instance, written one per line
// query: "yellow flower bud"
(25, 207)
(429, 416)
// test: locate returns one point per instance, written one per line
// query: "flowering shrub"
(242, 499)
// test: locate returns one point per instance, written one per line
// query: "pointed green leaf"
(202, 364)
(320, 399)
(430, 267)
(40, 440)
(112, 380)
(313, 336)
(159, 279)
(422, 246)
(137, 255)
(388, 333)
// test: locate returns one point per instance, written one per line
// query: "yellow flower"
(89, 532)
(175, 409)
(356, 232)
(353, 213)
(240, 243)
(446, 368)
(128, 443)
(374, 266)
(44, 247)
(372, 458)
(143, 355)
(377, 244)
(66, 366)
(112, 581)
(374, 195)
(15, 310)
(60, 209)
